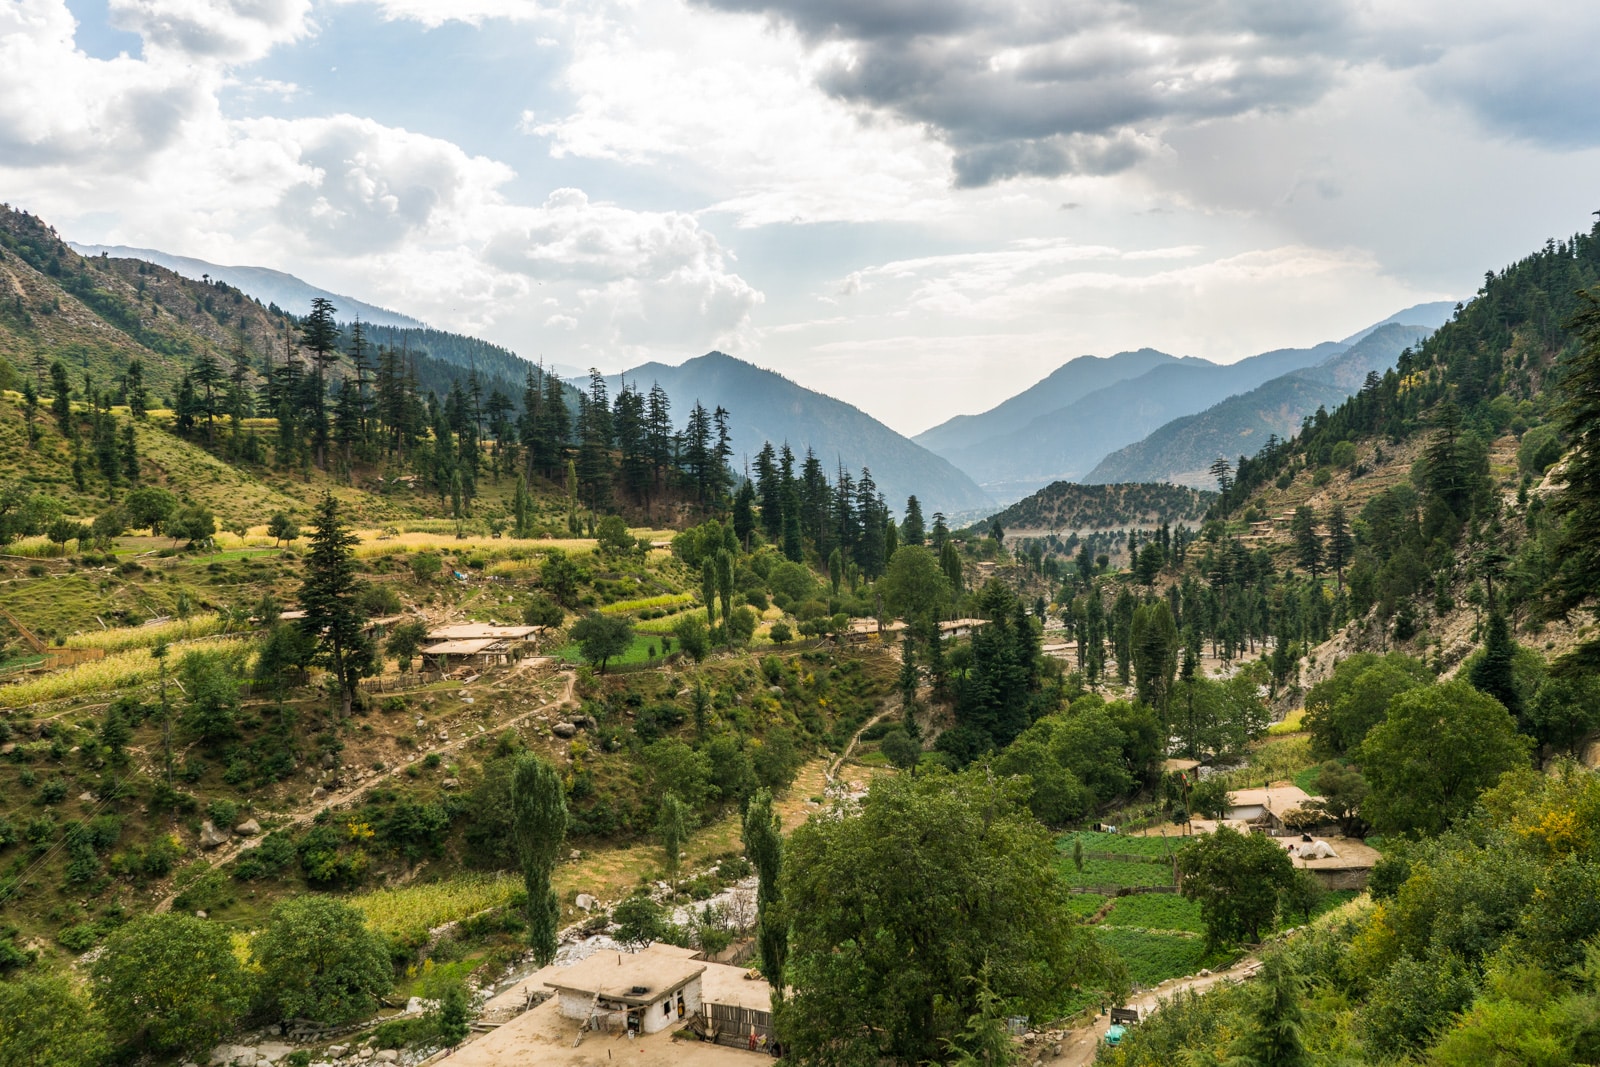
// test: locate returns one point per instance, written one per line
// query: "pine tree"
(538, 828)
(744, 518)
(332, 618)
(1307, 542)
(30, 410)
(911, 530)
(1340, 543)
(1578, 575)
(1222, 471)
(61, 401)
(1495, 673)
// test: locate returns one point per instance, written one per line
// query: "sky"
(919, 206)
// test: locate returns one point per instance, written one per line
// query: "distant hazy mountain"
(1065, 444)
(769, 407)
(1432, 315)
(268, 286)
(1182, 451)
(1072, 380)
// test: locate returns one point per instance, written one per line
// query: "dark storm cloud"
(1053, 87)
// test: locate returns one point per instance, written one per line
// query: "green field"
(1127, 845)
(1156, 911)
(1116, 873)
(1152, 958)
(638, 652)
(1084, 905)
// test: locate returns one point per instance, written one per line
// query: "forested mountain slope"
(1070, 507)
(772, 408)
(1182, 451)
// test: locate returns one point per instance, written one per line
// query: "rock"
(86, 797)
(414, 1006)
(586, 902)
(318, 793)
(338, 1050)
(451, 783)
(387, 1055)
(583, 722)
(1204, 973)
(575, 855)
(210, 836)
(364, 1054)
(564, 729)
(328, 761)
(200, 914)
(444, 735)
(248, 828)
(775, 690)
(272, 1051)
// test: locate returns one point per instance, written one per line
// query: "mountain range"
(1183, 450)
(1063, 426)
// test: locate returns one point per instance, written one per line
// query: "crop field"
(117, 671)
(1156, 911)
(638, 652)
(409, 912)
(1153, 957)
(666, 600)
(1126, 844)
(1084, 905)
(128, 637)
(1116, 872)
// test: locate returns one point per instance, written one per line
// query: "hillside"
(1069, 382)
(1182, 451)
(769, 407)
(1063, 508)
(266, 285)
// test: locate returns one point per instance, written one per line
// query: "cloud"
(1018, 88)
(231, 31)
(435, 13)
(59, 107)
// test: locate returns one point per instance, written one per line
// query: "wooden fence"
(732, 1025)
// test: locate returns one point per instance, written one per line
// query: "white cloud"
(435, 13)
(213, 30)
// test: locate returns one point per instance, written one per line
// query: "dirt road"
(1079, 1047)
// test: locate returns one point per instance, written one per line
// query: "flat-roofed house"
(645, 991)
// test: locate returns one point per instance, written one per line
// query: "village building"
(479, 645)
(645, 992)
(1265, 807)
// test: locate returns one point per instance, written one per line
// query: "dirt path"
(833, 770)
(334, 800)
(1079, 1047)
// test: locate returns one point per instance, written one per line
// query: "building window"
(666, 1006)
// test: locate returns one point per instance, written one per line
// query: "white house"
(646, 991)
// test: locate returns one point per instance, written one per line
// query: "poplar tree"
(538, 829)
(672, 826)
(763, 844)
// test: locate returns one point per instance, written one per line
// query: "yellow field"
(411, 911)
(116, 671)
(127, 637)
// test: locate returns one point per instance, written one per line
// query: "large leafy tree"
(896, 911)
(1341, 708)
(538, 828)
(602, 638)
(1236, 878)
(1438, 749)
(169, 984)
(328, 596)
(319, 961)
(45, 1023)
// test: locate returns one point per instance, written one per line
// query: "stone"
(338, 1050)
(328, 760)
(86, 797)
(387, 1055)
(248, 828)
(586, 901)
(775, 690)
(318, 793)
(564, 729)
(583, 722)
(364, 1054)
(200, 914)
(451, 783)
(210, 836)
(414, 1006)
(272, 1051)
(575, 855)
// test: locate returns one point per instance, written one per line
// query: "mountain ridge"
(769, 407)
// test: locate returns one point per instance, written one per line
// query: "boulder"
(386, 1055)
(210, 836)
(248, 828)
(564, 729)
(451, 783)
(272, 1051)
(318, 793)
(583, 722)
(586, 901)
(200, 914)
(86, 797)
